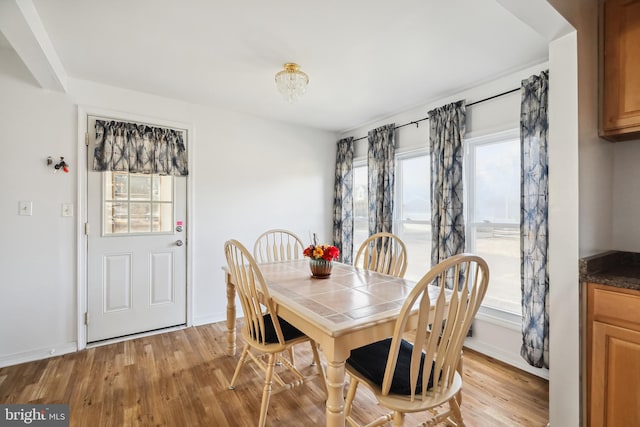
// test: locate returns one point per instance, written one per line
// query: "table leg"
(231, 316)
(335, 397)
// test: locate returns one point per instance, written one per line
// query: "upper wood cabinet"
(620, 79)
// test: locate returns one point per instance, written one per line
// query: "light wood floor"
(180, 379)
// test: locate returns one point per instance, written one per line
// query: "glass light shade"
(291, 82)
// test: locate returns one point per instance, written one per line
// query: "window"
(360, 205)
(137, 203)
(493, 214)
(412, 211)
(492, 203)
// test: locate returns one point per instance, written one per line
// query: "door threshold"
(135, 336)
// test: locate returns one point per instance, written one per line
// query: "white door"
(136, 251)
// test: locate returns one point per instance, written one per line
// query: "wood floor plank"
(180, 378)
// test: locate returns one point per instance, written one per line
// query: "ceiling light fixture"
(291, 82)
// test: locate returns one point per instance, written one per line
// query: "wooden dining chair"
(383, 252)
(422, 375)
(277, 245)
(264, 332)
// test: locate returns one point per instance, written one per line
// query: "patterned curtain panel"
(343, 200)
(447, 129)
(381, 164)
(534, 220)
(138, 148)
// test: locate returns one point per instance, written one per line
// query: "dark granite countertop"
(614, 268)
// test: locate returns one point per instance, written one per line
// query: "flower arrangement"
(325, 252)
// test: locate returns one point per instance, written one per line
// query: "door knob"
(179, 243)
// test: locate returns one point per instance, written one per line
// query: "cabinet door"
(621, 66)
(615, 388)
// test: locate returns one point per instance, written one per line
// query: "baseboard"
(39, 354)
(212, 318)
(507, 358)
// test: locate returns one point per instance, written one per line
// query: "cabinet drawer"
(615, 304)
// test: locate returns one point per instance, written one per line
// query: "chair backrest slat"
(384, 253)
(277, 245)
(447, 317)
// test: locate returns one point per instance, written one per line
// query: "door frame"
(81, 212)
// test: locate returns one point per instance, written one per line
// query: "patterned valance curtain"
(139, 148)
(534, 228)
(343, 200)
(447, 129)
(381, 164)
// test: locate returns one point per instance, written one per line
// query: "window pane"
(140, 187)
(497, 182)
(116, 186)
(162, 218)
(495, 197)
(162, 188)
(413, 203)
(500, 247)
(116, 218)
(140, 217)
(360, 207)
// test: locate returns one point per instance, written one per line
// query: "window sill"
(505, 319)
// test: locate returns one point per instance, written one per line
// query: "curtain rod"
(415, 122)
(135, 122)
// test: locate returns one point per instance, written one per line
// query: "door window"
(136, 203)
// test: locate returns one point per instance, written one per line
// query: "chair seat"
(368, 364)
(371, 360)
(289, 331)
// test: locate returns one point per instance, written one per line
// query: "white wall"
(37, 256)
(564, 292)
(248, 174)
(595, 154)
(626, 196)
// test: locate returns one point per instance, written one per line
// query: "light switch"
(67, 209)
(25, 207)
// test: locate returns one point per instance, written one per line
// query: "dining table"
(351, 308)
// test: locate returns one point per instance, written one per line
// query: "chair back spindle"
(277, 245)
(384, 253)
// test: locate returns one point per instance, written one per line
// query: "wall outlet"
(25, 207)
(67, 209)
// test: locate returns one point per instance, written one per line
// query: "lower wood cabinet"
(613, 354)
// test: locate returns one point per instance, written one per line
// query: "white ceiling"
(365, 59)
